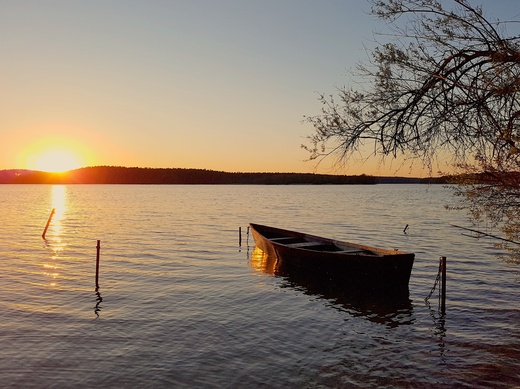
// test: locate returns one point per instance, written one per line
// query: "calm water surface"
(180, 304)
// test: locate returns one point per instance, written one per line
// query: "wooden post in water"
(98, 247)
(48, 222)
(239, 236)
(443, 285)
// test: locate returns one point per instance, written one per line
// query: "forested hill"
(135, 175)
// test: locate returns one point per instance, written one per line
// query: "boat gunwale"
(363, 250)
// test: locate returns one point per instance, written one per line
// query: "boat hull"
(344, 264)
(373, 306)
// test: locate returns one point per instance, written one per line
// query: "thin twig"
(486, 234)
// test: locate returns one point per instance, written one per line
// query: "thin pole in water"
(98, 247)
(443, 286)
(48, 222)
(239, 236)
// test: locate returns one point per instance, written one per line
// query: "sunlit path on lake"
(54, 241)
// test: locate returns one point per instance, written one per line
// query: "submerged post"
(48, 222)
(239, 236)
(98, 247)
(443, 285)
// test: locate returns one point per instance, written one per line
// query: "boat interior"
(306, 243)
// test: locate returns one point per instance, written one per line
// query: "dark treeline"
(135, 175)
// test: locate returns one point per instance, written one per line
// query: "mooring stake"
(440, 283)
(239, 236)
(98, 247)
(48, 222)
(443, 285)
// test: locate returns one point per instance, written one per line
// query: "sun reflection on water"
(55, 243)
(59, 200)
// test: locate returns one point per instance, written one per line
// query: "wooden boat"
(345, 264)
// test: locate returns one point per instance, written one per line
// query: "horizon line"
(219, 171)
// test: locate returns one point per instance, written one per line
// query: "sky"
(211, 84)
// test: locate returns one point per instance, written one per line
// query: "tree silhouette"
(446, 83)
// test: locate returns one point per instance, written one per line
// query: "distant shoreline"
(180, 176)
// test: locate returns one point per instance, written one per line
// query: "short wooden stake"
(239, 236)
(443, 285)
(48, 222)
(98, 247)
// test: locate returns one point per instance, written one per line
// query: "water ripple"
(184, 306)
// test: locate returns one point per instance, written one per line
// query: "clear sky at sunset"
(222, 85)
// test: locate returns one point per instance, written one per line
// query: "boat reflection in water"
(390, 309)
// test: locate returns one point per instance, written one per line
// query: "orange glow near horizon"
(56, 161)
(55, 155)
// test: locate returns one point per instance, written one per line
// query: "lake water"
(181, 305)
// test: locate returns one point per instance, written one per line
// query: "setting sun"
(55, 154)
(57, 161)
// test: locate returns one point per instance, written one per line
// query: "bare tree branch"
(447, 82)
